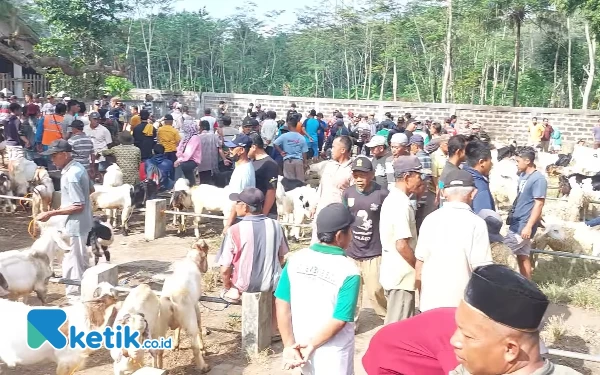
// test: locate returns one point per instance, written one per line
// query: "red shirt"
(416, 346)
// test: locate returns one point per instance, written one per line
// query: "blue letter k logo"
(44, 325)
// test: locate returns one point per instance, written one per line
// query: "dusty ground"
(569, 328)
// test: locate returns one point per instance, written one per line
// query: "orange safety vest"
(52, 129)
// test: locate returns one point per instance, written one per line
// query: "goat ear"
(109, 316)
(62, 244)
(3, 282)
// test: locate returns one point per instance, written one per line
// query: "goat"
(504, 183)
(25, 272)
(112, 199)
(579, 178)
(143, 311)
(181, 292)
(6, 189)
(22, 172)
(101, 236)
(84, 316)
(43, 188)
(113, 176)
(294, 206)
(199, 197)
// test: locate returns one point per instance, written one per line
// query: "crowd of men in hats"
(380, 229)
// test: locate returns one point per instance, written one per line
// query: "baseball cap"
(240, 140)
(251, 196)
(14, 97)
(459, 178)
(168, 117)
(362, 164)
(77, 125)
(417, 139)
(94, 115)
(377, 140)
(494, 224)
(400, 138)
(60, 145)
(406, 164)
(334, 217)
(339, 115)
(96, 102)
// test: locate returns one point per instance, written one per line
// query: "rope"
(31, 228)
(21, 200)
(227, 304)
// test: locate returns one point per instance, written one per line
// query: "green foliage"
(118, 86)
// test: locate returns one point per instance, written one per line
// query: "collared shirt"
(75, 189)
(253, 247)
(169, 137)
(321, 283)
(450, 254)
(209, 147)
(397, 222)
(548, 368)
(128, 159)
(83, 148)
(335, 179)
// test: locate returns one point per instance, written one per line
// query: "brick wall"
(502, 123)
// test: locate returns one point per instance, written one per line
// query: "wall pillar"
(18, 75)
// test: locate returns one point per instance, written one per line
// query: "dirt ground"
(139, 261)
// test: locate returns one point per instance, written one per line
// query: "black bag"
(514, 205)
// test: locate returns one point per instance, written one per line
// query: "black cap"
(339, 115)
(94, 115)
(406, 164)
(334, 217)
(251, 122)
(77, 125)
(60, 145)
(240, 140)
(459, 178)
(362, 164)
(168, 117)
(506, 297)
(251, 196)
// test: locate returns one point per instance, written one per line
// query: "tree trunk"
(591, 42)
(347, 72)
(395, 81)
(517, 62)
(448, 64)
(569, 62)
(554, 84)
(384, 74)
(370, 67)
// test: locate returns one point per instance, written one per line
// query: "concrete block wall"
(502, 123)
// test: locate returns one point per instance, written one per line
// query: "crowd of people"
(382, 225)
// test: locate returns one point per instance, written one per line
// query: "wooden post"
(155, 225)
(256, 321)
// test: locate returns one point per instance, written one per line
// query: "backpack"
(153, 173)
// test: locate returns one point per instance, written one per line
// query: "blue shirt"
(483, 199)
(532, 186)
(312, 128)
(293, 144)
(243, 176)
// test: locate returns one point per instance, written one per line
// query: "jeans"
(593, 223)
(187, 169)
(315, 148)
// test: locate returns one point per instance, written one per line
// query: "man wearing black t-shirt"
(266, 171)
(364, 200)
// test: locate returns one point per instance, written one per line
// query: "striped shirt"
(83, 147)
(253, 247)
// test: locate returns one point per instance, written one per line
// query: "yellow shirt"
(134, 121)
(169, 137)
(535, 132)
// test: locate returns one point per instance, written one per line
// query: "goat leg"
(176, 336)
(200, 338)
(106, 253)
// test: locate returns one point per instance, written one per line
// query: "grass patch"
(211, 279)
(234, 322)
(554, 329)
(579, 286)
(260, 358)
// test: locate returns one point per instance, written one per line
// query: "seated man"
(254, 237)
(160, 169)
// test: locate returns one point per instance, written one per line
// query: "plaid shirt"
(425, 160)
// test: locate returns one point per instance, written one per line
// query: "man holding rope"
(75, 205)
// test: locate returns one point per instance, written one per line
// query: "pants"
(545, 145)
(206, 177)
(293, 169)
(400, 305)
(187, 169)
(75, 263)
(15, 152)
(315, 148)
(518, 245)
(171, 156)
(321, 141)
(269, 151)
(369, 275)
(593, 223)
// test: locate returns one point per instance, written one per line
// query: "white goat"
(200, 197)
(84, 316)
(6, 189)
(504, 183)
(23, 171)
(585, 160)
(142, 311)
(25, 272)
(43, 188)
(113, 176)
(53, 240)
(112, 199)
(181, 291)
(294, 206)
(568, 209)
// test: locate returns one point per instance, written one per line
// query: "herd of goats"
(23, 272)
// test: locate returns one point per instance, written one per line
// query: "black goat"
(506, 152)
(144, 191)
(291, 184)
(580, 177)
(101, 231)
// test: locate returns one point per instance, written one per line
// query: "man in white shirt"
(99, 134)
(49, 107)
(208, 117)
(448, 254)
(268, 130)
(398, 232)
